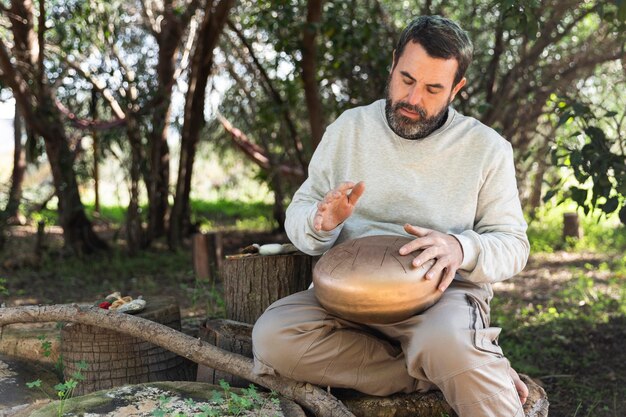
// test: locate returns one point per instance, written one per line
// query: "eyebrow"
(406, 74)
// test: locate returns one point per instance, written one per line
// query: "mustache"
(411, 107)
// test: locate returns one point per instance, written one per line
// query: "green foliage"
(596, 159)
(3, 288)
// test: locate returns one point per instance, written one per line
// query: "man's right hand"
(337, 206)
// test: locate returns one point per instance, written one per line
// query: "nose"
(415, 96)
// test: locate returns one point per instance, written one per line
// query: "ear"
(457, 88)
(393, 61)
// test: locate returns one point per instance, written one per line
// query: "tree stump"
(115, 359)
(571, 226)
(252, 283)
(238, 336)
(229, 335)
(207, 253)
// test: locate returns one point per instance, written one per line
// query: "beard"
(409, 128)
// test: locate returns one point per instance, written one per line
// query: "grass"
(209, 215)
(568, 332)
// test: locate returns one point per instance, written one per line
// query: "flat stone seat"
(170, 398)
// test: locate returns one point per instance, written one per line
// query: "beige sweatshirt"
(459, 180)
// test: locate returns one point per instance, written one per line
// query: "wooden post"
(207, 253)
(571, 226)
(252, 283)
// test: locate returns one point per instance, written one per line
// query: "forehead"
(416, 62)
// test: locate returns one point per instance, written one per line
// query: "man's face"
(418, 92)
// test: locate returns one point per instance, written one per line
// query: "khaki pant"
(449, 346)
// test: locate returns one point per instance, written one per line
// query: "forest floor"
(564, 316)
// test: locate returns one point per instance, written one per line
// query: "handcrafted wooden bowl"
(366, 280)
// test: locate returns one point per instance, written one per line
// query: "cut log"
(113, 359)
(229, 335)
(252, 283)
(207, 253)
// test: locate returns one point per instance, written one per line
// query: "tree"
(168, 25)
(23, 71)
(210, 29)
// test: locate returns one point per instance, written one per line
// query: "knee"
(267, 335)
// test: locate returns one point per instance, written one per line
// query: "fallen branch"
(316, 400)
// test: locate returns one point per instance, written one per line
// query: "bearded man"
(444, 179)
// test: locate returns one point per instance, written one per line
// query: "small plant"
(64, 390)
(3, 288)
(221, 404)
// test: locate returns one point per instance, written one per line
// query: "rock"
(186, 398)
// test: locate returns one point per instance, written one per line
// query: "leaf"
(578, 195)
(622, 214)
(34, 384)
(549, 195)
(610, 206)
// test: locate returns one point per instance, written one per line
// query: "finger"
(445, 283)
(317, 221)
(322, 206)
(357, 192)
(425, 256)
(437, 269)
(447, 279)
(416, 230)
(416, 244)
(344, 187)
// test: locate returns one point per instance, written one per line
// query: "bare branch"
(257, 154)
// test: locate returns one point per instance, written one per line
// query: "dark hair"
(441, 38)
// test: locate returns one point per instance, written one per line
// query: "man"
(439, 176)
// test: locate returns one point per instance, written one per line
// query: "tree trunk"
(96, 151)
(17, 176)
(202, 63)
(316, 400)
(77, 229)
(134, 230)
(252, 283)
(309, 71)
(159, 177)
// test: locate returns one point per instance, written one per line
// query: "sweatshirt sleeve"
(497, 248)
(301, 211)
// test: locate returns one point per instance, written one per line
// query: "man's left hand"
(443, 248)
